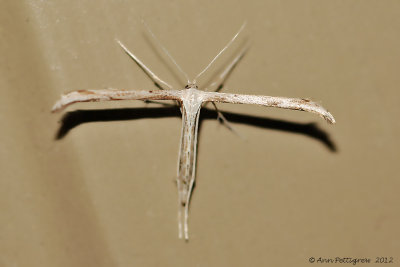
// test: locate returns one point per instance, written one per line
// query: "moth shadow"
(75, 118)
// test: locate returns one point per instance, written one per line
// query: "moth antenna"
(215, 58)
(165, 50)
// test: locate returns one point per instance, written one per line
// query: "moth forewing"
(301, 104)
(113, 94)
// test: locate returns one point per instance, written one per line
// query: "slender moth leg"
(149, 73)
(220, 116)
(216, 86)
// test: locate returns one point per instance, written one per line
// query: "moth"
(190, 99)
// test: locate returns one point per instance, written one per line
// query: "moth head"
(191, 85)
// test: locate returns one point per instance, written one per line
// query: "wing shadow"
(75, 118)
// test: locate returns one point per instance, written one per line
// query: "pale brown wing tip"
(329, 118)
(322, 112)
(57, 107)
(68, 99)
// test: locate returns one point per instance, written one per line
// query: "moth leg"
(219, 81)
(224, 121)
(159, 83)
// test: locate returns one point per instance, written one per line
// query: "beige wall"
(279, 193)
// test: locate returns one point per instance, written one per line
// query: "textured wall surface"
(94, 185)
